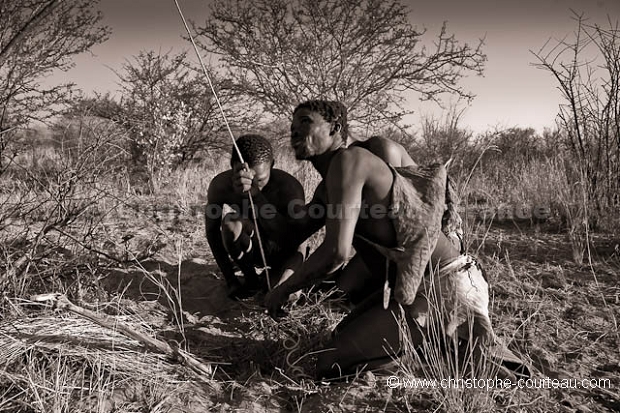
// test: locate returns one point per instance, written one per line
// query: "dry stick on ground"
(201, 370)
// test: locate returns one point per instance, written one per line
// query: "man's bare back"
(389, 151)
(386, 149)
(355, 177)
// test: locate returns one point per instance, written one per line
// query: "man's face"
(262, 173)
(310, 134)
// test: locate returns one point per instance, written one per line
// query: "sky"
(511, 93)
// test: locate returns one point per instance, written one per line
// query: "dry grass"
(55, 362)
(559, 315)
(441, 358)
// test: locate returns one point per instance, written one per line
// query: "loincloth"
(458, 294)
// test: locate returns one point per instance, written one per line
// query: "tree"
(361, 52)
(586, 69)
(37, 37)
(168, 112)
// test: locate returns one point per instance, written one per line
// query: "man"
(394, 246)
(233, 237)
(394, 154)
(354, 279)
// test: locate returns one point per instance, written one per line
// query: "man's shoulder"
(355, 154)
(220, 187)
(352, 163)
(222, 179)
(376, 142)
(385, 145)
(390, 151)
(280, 175)
(284, 185)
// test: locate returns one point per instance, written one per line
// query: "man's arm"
(292, 264)
(304, 225)
(309, 218)
(277, 216)
(213, 222)
(344, 184)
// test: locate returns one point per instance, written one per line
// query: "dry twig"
(202, 371)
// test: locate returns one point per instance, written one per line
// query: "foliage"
(517, 146)
(444, 138)
(72, 136)
(53, 210)
(36, 38)
(364, 53)
(168, 112)
(586, 69)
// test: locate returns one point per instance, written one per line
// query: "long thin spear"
(232, 136)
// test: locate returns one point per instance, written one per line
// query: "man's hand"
(243, 180)
(237, 291)
(274, 300)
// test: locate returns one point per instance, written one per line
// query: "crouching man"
(396, 246)
(232, 235)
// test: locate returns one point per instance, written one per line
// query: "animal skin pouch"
(417, 206)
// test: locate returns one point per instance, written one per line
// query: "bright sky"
(511, 93)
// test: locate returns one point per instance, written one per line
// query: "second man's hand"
(243, 180)
(274, 301)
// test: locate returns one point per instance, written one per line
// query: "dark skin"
(386, 149)
(273, 191)
(351, 177)
(355, 279)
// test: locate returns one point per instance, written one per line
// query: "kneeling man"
(233, 236)
(392, 217)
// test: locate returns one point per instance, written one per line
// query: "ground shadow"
(195, 283)
(216, 328)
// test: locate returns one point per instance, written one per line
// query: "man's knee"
(232, 226)
(236, 236)
(327, 366)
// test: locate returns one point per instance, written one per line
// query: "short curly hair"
(331, 110)
(254, 149)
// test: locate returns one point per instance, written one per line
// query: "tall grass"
(548, 189)
(445, 353)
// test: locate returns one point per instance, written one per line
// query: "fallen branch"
(201, 370)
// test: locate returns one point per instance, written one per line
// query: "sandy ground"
(555, 314)
(560, 317)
